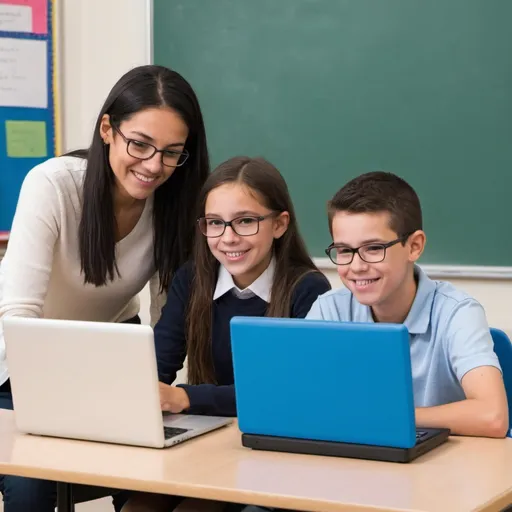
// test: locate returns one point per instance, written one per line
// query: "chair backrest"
(503, 349)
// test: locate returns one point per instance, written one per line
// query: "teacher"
(92, 227)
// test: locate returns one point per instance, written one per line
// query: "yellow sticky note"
(26, 139)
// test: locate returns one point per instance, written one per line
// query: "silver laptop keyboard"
(173, 432)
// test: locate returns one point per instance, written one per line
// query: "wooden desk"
(463, 475)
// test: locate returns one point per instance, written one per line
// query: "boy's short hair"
(380, 191)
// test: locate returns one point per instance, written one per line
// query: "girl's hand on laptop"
(173, 399)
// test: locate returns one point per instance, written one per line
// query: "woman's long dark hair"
(174, 201)
(291, 255)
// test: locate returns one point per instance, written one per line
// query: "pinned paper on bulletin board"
(29, 114)
(26, 139)
(23, 69)
(24, 16)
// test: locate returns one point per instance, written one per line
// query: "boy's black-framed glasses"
(370, 253)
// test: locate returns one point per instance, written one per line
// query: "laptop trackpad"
(189, 421)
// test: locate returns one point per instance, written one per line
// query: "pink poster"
(39, 13)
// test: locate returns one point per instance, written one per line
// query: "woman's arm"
(28, 261)
(26, 267)
(157, 299)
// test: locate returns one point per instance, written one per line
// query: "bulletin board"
(29, 113)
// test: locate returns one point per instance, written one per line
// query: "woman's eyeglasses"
(145, 151)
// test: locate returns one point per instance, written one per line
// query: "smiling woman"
(93, 227)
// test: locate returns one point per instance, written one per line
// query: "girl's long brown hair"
(292, 259)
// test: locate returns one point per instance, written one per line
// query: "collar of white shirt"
(261, 287)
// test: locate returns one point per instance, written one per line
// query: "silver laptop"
(93, 381)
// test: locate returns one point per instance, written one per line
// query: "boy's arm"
(483, 413)
(470, 349)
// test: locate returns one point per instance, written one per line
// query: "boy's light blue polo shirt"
(448, 330)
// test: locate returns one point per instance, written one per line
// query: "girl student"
(249, 260)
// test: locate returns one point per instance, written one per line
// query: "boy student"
(376, 225)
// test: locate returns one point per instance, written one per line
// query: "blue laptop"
(327, 388)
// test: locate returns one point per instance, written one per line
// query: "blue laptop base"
(428, 440)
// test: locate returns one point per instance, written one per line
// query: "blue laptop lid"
(331, 381)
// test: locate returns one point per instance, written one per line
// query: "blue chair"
(503, 349)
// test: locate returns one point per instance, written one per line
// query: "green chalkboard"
(329, 89)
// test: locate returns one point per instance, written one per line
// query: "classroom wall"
(103, 39)
(100, 40)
